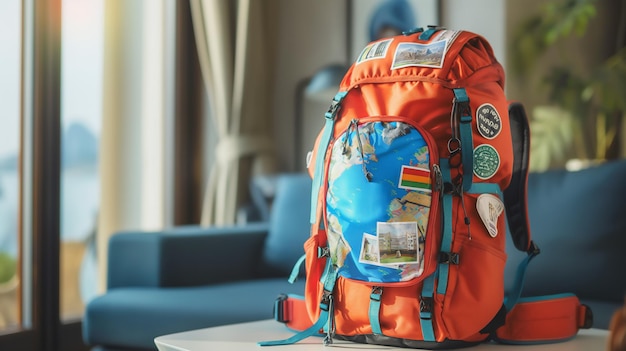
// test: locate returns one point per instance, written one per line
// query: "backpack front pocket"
(381, 200)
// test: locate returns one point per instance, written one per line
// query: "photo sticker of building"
(398, 243)
(376, 50)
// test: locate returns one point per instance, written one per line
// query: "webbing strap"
(330, 276)
(446, 239)
(329, 286)
(486, 188)
(312, 330)
(426, 308)
(516, 291)
(428, 33)
(461, 103)
(330, 116)
(374, 310)
(295, 271)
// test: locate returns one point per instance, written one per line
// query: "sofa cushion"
(133, 317)
(578, 221)
(289, 222)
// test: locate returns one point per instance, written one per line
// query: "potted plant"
(585, 108)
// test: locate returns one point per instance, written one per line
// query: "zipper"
(354, 124)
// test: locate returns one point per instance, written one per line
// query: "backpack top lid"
(449, 57)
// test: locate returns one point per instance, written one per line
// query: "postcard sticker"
(488, 121)
(489, 208)
(397, 243)
(375, 50)
(421, 55)
(486, 161)
(447, 35)
(369, 250)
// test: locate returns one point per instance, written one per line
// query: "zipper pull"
(466, 218)
(346, 141)
(368, 175)
(438, 186)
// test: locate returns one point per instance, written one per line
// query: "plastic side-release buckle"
(323, 252)
(326, 301)
(335, 105)
(280, 309)
(426, 307)
(585, 316)
(533, 249)
(291, 310)
(448, 257)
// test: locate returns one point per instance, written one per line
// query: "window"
(10, 17)
(81, 114)
(30, 160)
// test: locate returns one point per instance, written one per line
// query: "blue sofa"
(192, 277)
(195, 277)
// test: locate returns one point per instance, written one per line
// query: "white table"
(244, 336)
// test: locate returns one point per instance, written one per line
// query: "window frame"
(39, 172)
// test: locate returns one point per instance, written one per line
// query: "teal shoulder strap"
(318, 175)
(464, 115)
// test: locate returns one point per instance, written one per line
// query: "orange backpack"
(421, 165)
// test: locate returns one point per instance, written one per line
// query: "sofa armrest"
(185, 256)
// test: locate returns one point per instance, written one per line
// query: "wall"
(312, 35)
(484, 17)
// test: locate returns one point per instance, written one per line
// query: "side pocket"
(314, 269)
(478, 289)
(476, 284)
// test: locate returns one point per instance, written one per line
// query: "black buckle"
(280, 309)
(448, 188)
(326, 300)
(426, 305)
(463, 109)
(323, 252)
(588, 322)
(449, 257)
(332, 109)
(377, 291)
(533, 250)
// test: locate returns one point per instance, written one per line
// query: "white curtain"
(134, 148)
(235, 45)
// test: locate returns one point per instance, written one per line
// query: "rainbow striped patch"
(414, 178)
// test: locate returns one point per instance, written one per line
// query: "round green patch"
(486, 161)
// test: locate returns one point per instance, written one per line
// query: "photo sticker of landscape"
(422, 55)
